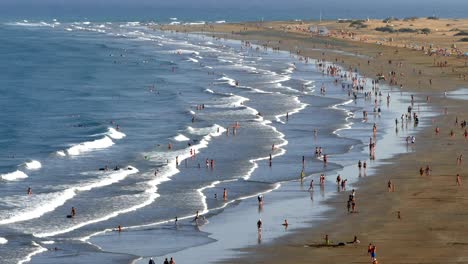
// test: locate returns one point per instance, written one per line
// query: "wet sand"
(433, 214)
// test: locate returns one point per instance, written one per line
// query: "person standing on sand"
(166, 261)
(458, 180)
(172, 261)
(389, 185)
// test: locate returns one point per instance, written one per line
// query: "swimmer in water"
(285, 224)
(260, 199)
(29, 191)
(73, 212)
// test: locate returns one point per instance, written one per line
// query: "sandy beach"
(432, 215)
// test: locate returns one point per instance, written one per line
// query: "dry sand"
(434, 210)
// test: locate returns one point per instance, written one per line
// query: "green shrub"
(407, 30)
(385, 29)
(425, 30)
(410, 18)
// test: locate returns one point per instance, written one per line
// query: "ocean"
(133, 126)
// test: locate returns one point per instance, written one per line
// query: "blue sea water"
(80, 96)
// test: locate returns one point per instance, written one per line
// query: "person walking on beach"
(373, 252)
(359, 165)
(172, 261)
(311, 186)
(259, 225)
(166, 261)
(458, 180)
(369, 249)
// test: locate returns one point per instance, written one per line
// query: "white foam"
(209, 91)
(183, 51)
(115, 134)
(31, 207)
(220, 21)
(196, 23)
(173, 18)
(26, 23)
(192, 60)
(206, 130)
(78, 149)
(164, 174)
(3, 240)
(13, 176)
(301, 107)
(49, 242)
(349, 114)
(60, 153)
(181, 137)
(33, 165)
(228, 80)
(35, 252)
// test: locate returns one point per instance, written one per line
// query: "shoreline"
(355, 58)
(381, 210)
